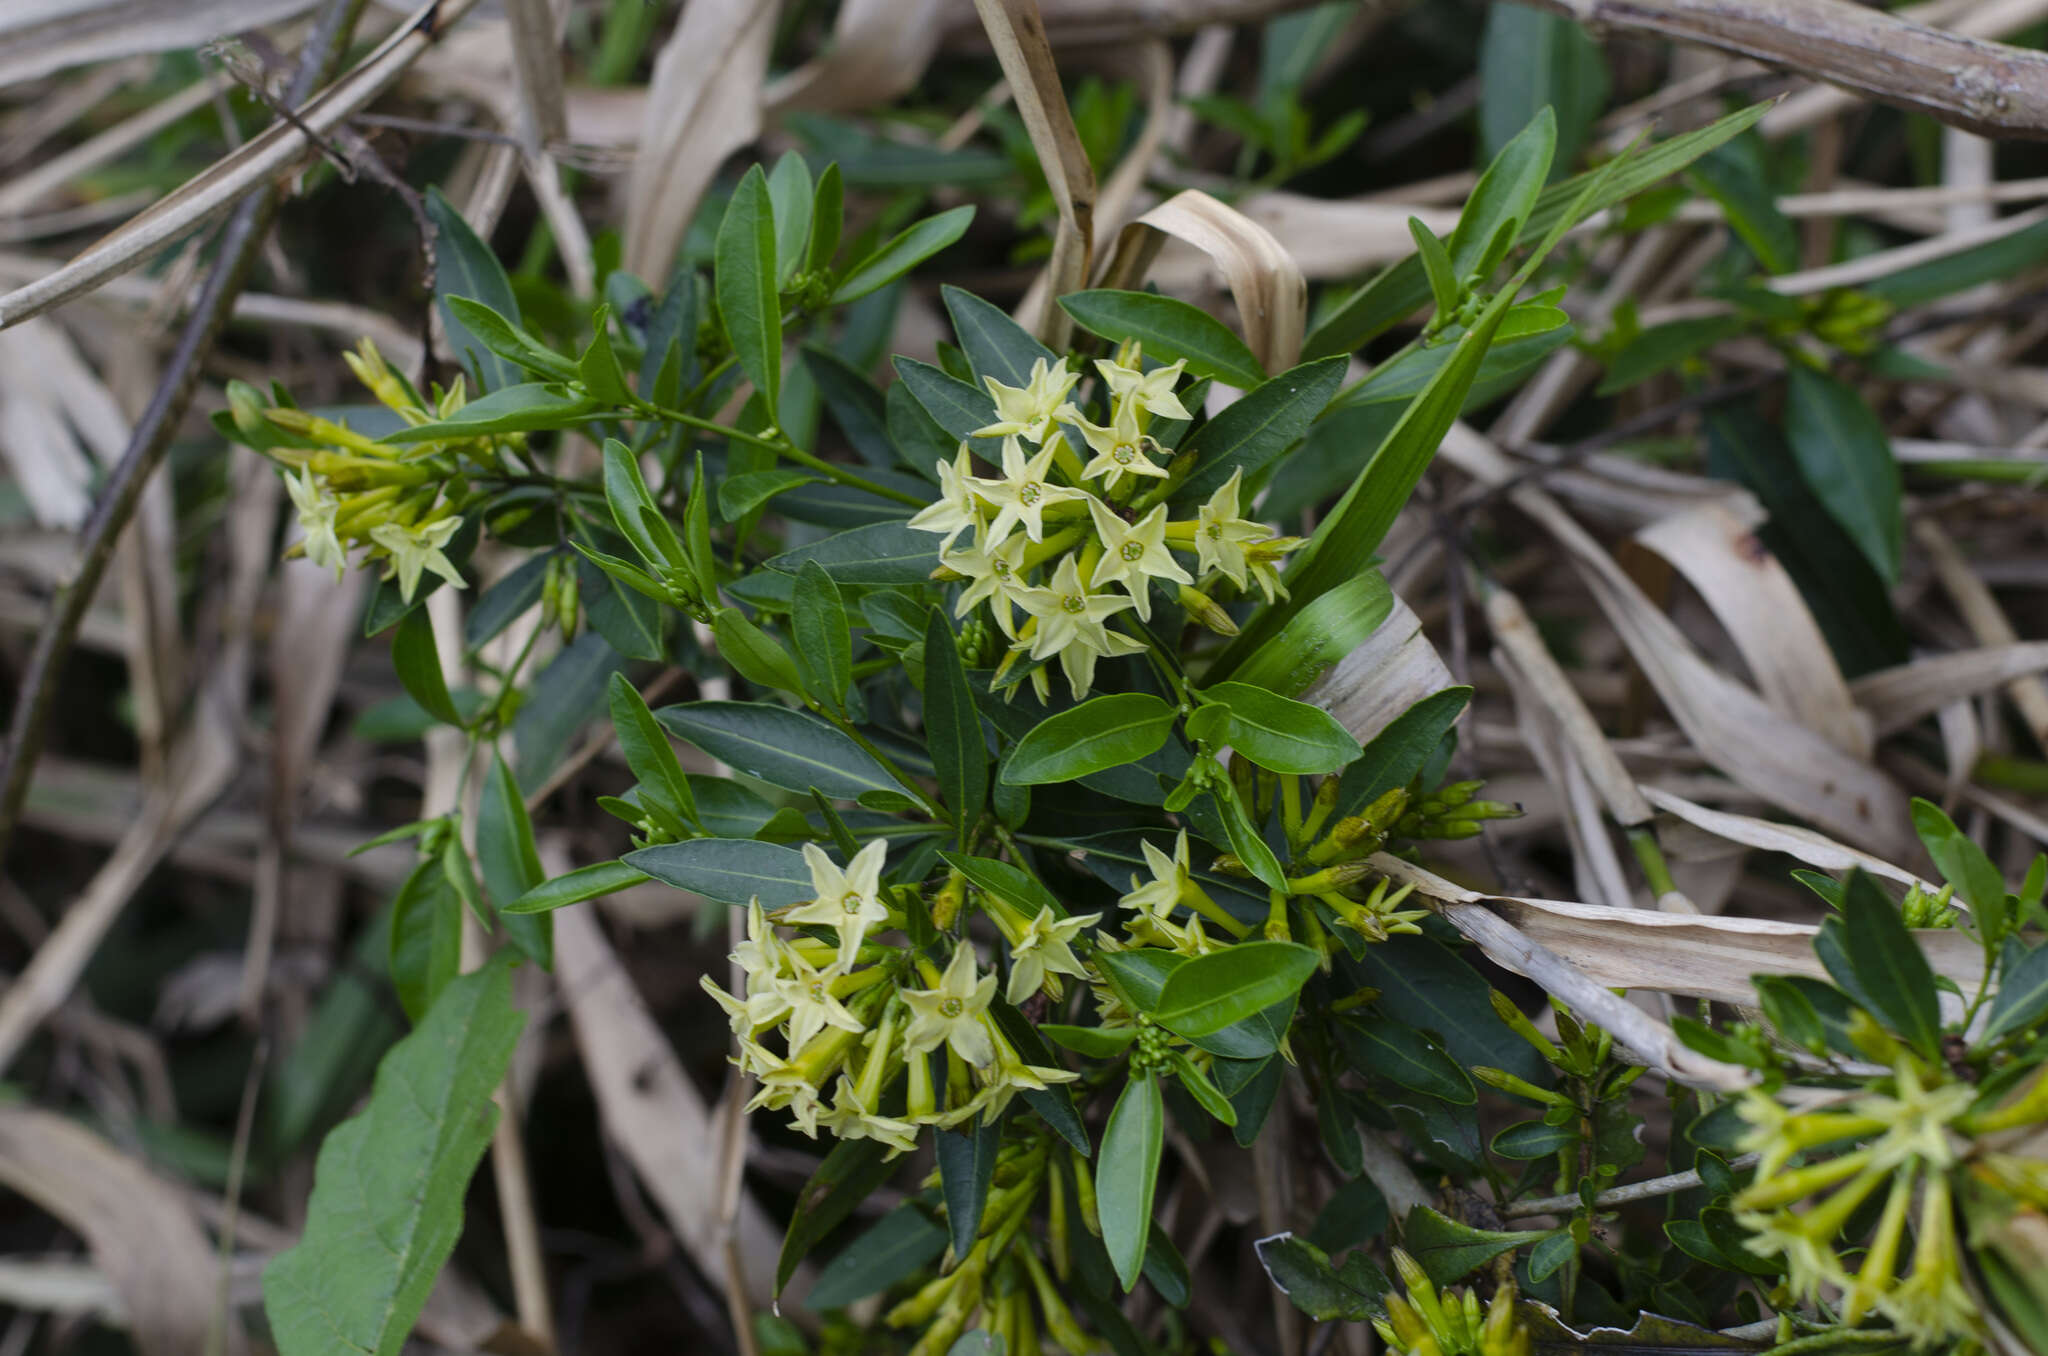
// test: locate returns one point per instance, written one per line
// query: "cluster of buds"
(1451, 813)
(397, 505)
(1427, 1322)
(1908, 1144)
(852, 1023)
(1072, 544)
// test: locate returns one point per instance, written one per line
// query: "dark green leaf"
(1170, 330)
(1393, 1050)
(1304, 1274)
(953, 726)
(389, 1185)
(1847, 460)
(584, 883)
(1277, 733)
(790, 198)
(1246, 843)
(785, 748)
(1054, 1105)
(1224, 987)
(647, 751)
(857, 407)
(1097, 1042)
(598, 368)
(2006, 257)
(507, 340)
(904, 252)
(880, 553)
(1529, 1140)
(757, 656)
(1101, 733)
(824, 642)
(1887, 966)
(967, 1162)
(995, 345)
(1445, 291)
(745, 285)
(1202, 1090)
(1126, 1173)
(1530, 64)
(1249, 434)
(1397, 753)
(418, 662)
(510, 862)
(1963, 865)
(1735, 176)
(828, 218)
(1522, 157)
(898, 1245)
(849, 1174)
(2022, 990)
(426, 937)
(729, 870)
(955, 406)
(505, 602)
(1448, 1250)
(511, 409)
(1665, 346)
(465, 267)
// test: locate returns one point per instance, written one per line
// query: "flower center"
(1073, 603)
(1001, 570)
(1131, 550)
(818, 990)
(952, 1007)
(850, 901)
(1031, 493)
(1125, 454)
(1215, 531)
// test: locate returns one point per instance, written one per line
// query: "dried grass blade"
(1017, 33)
(704, 103)
(1898, 697)
(1815, 849)
(219, 186)
(1764, 613)
(537, 60)
(1394, 669)
(880, 49)
(1986, 619)
(39, 40)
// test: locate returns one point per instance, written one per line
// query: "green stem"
(781, 447)
(1651, 857)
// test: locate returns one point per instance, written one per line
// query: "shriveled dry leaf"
(1017, 33)
(38, 37)
(1264, 280)
(704, 103)
(1815, 849)
(142, 1233)
(1732, 727)
(1898, 697)
(1985, 618)
(1766, 616)
(58, 423)
(879, 50)
(29, 188)
(1394, 669)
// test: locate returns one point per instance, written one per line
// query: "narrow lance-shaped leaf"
(903, 253)
(1101, 733)
(418, 661)
(824, 643)
(953, 726)
(1846, 458)
(1170, 330)
(511, 864)
(426, 937)
(1127, 1172)
(745, 285)
(389, 1185)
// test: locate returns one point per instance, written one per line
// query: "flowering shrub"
(1031, 931)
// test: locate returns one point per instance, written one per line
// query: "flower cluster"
(1073, 544)
(353, 492)
(1909, 1142)
(852, 1023)
(1426, 1322)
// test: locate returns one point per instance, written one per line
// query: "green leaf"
(745, 286)
(1096, 1042)
(582, 884)
(1526, 1141)
(1103, 732)
(635, 513)
(1251, 432)
(645, 745)
(1317, 637)
(1551, 1254)
(1170, 330)
(952, 726)
(1963, 865)
(828, 218)
(1847, 460)
(904, 252)
(790, 199)
(1398, 291)
(1444, 288)
(418, 662)
(955, 406)
(784, 748)
(824, 642)
(1202, 1090)
(1324, 1292)
(1886, 966)
(511, 409)
(967, 1163)
(1010, 883)
(1278, 733)
(388, 1188)
(1666, 346)
(426, 937)
(1448, 1250)
(510, 862)
(1734, 175)
(507, 340)
(465, 267)
(1427, 985)
(2022, 990)
(505, 602)
(1393, 1050)
(1247, 844)
(1405, 377)
(847, 1177)
(995, 345)
(1506, 193)
(880, 553)
(669, 365)
(1053, 1104)
(2005, 257)
(1126, 1173)
(1225, 987)
(741, 494)
(1532, 64)
(729, 870)
(857, 407)
(598, 368)
(756, 655)
(1397, 753)
(899, 1244)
